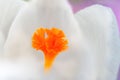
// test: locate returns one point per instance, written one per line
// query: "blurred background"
(114, 4)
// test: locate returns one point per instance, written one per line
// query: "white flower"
(89, 55)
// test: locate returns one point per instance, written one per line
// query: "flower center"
(51, 42)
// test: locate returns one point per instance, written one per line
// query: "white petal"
(99, 25)
(77, 62)
(2, 40)
(19, 70)
(8, 11)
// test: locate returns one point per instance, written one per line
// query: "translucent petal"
(8, 12)
(100, 28)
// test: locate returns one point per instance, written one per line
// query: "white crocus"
(8, 11)
(90, 52)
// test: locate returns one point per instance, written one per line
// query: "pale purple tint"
(113, 4)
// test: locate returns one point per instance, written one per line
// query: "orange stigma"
(51, 42)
